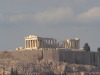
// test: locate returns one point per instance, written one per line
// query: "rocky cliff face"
(43, 67)
(26, 64)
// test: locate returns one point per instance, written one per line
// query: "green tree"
(16, 73)
(3, 71)
(98, 49)
(12, 72)
(86, 47)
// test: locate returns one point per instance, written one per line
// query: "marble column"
(32, 43)
(50, 43)
(47, 43)
(77, 45)
(42, 44)
(28, 43)
(35, 43)
(25, 43)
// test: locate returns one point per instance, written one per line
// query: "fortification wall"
(51, 55)
(78, 57)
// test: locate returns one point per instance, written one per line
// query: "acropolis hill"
(45, 55)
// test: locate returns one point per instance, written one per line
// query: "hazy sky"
(59, 19)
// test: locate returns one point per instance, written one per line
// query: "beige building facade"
(35, 42)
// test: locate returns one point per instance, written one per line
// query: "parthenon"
(35, 42)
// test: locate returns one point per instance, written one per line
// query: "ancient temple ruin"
(41, 43)
(35, 42)
(72, 43)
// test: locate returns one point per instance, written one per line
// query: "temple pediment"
(31, 36)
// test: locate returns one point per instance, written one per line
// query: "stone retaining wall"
(78, 57)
